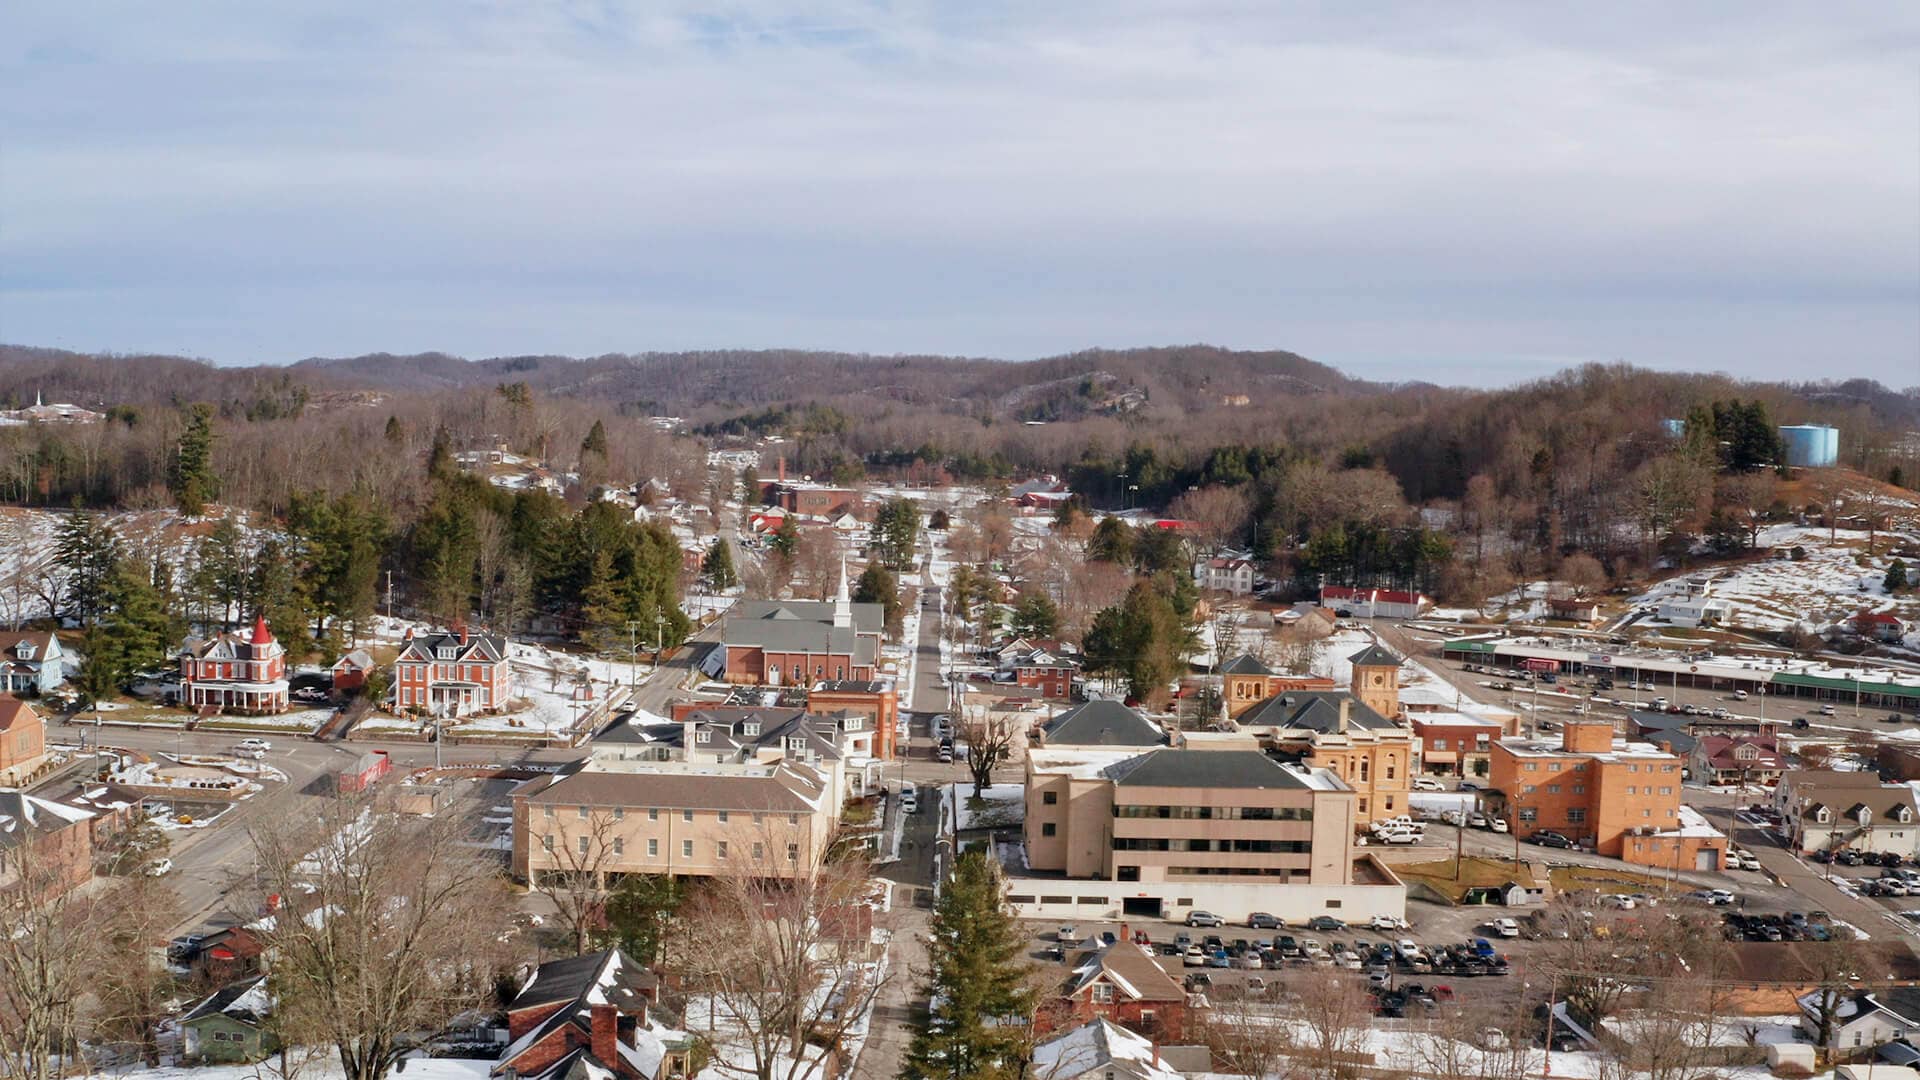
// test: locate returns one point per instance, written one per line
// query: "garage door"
(1706, 859)
(1147, 906)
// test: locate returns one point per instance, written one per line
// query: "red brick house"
(44, 846)
(1121, 983)
(1046, 667)
(876, 700)
(587, 1016)
(452, 673)
(350, 671)
(237, 672)
(812, 500)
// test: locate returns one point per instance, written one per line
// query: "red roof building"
(1879, 625)
(238, 672)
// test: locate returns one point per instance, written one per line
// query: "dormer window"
(24, 650)
(705, 736)
(1901, 813)
(1863, 815)
(750, 728)
(443, 652)
(1821, 815)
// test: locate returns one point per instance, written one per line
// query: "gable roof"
(1101, 722)
(617, 977)
(481, 645)
(578, 984)
(1131, 971)
(358, 659)
(786, 788)
(22, 815)
(1205, 769)
(1313, 710)
(1375, 655)
(1246, 664)
(1096, 1046)
(14, 711)
(43, 642)
(246, 1001)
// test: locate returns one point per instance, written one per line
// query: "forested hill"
(1063, 387)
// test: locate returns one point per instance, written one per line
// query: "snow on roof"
(1692, 825)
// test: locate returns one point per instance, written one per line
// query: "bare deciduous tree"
(1334, 1013)
(49, 958)
(386, 931)
(990, 741)
(777, 966)
(584, 852)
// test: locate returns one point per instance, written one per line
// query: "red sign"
(1540, 665)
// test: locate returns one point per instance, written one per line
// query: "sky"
(1471, 194)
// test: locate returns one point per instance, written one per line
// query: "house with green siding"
(228, 1027)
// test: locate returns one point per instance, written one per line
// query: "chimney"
(783, 468)
(463, 632)
(606, 1035)
(689, 737)
(1344, 707)
(1156, 1053)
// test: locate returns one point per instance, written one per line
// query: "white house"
(1828, 810)
(1692, 604)
(1226, 574)
(1865, 1019)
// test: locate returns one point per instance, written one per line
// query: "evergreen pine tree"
(395, 433)
(603, 614)
(596, 441)
(88, 549)
(1035, 615)
(786, 539)
(717, 567)
(193, 481)
(1112, 541)
(895, 529)
(280, 591)
(979, 1025)
(878, 585)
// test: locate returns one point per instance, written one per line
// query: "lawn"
(1574, 878)
(1473, 872)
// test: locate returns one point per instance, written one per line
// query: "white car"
(1498, 824)
(1399, 836)
(1507, 927)
(1747, 860)
(909, 803)
(1386, 922)
(1826, 710)
(252, 752)
(1427, 783)
(1477, 820)
(1408, 949)
(164, 866)
(1739, 695)
(261, 745)
(1617, 900)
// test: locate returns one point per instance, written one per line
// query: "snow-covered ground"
(321, 1065)
(1004, 805)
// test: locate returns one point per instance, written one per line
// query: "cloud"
(1406, 191)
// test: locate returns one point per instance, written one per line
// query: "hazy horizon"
(1469, 198)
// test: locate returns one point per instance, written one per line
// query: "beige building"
(1177, 814)
(1358, 734)
(755, 791)
(687, 820)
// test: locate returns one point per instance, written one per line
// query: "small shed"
(364, 772)
(227, 1027)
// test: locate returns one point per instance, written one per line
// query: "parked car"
(256, 744)
(1826, 710)
(1477, 820)
(1747, 860)
(1427, 783)
(1507, 927)
(1468, 785)
(1387, 922)
(909, 802)
(1498, 825)
(1067, 934)
(1325, 923)
(161, 868)
(1261, 920)
(1739, 695)
(1547, 838)
(1204, 918)
(1193, 957)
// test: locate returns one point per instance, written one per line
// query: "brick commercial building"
(44, 846)
(874, 699)
(1245, 681)
(1456, 744)
(1356, 735)
(1592, 786)
(800, 642)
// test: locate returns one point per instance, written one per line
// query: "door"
(1141, 906)
(1706, 859)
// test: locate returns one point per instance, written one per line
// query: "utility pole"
(389, 594)
(633, 655)
(659, 637)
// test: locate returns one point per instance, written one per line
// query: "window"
(793, 819)
(1532, 766)
(619, 845)
(1579, 789)
(653, 849)
(583, 813)
(1528, 813)
(759, 851)
(720, 849)
(723, 817)
(1553, 789)
(1666, 791)
(546, 811)
(1049, 798)
(686, 849)
(1577, 815)
(793, 852)
(1333, 905)
(758, 817)
(1103, 993)
(619, 813)
(1048, 829)
(1439, 744)
(1527, 790)
(1646, 813)
(546, 844)
(1553, 766)
(583, 844)
(686, 816)
(653, 813)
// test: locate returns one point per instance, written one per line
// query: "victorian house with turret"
(235, 672)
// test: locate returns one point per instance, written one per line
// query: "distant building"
(1375, 603)
(1879, 625)
(351, 670)
(1246, 681)
(1233, 576)
(42, 413)
(590, 1018)
(235, 672)
(1811, 446)
(1832, 809)
(229, 1027)
(54, 839)
(1124, 985)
